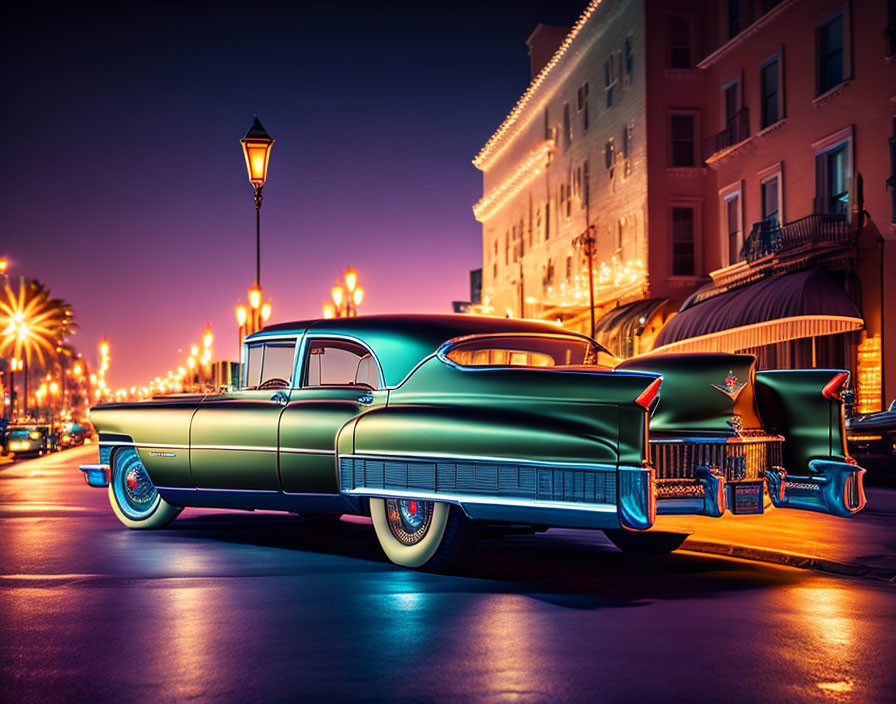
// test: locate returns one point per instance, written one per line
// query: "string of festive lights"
(509, 187)
(491, 149)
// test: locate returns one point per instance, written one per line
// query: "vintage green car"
(436, 424)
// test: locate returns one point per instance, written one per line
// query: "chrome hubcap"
(409, 519)
(136, 494)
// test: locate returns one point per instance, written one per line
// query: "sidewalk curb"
(791, 559)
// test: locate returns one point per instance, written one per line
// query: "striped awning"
(617, 329)
(804, 304)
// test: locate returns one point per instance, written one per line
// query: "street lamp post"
(587, 241)
(257, 151)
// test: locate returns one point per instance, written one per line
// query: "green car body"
(534, 439)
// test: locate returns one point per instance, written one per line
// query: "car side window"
(269, 365)
(339, 363)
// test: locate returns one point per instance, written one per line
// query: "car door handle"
(280, 398)
(366, 399)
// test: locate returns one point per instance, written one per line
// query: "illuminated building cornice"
(497, 142)
(531, 167)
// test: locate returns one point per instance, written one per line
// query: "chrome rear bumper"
(96, 474)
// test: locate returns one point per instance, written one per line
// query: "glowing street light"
(257, 150)
(347, 298)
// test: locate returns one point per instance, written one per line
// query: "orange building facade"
(731, 165)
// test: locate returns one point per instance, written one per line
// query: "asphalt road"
(260, 607)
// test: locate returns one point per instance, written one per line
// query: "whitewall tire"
(428, 535)
(135, 500)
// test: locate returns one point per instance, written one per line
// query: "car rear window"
(526, 351)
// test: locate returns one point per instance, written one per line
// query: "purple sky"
(124, 187)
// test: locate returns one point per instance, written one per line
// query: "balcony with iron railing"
(737, 129)
(771, 237)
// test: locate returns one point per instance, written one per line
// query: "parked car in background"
(30, 440)
(433, 425)
(871, 438)
(75, 434)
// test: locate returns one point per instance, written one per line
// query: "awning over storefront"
(617, 329)
(788, 307)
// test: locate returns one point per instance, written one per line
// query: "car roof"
(401, 341)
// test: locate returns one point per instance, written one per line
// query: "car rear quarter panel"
(539, 415)
(161, 431)
(791, 403)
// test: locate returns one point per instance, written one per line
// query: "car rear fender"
(795, 403)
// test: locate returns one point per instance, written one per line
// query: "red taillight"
(647, 395)
(833, 388)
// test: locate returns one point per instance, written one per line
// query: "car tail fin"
(834, 388)
(647, 397)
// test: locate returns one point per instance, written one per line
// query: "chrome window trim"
(449, 459)
(293, 337)
(442, 352)
(485, 500)
(311, 336)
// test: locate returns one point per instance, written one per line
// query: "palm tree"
(33, 326)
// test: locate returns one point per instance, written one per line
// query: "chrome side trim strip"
(485, 500)
(242, 448)
(390, 456)
(200, 490)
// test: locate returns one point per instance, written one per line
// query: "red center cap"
(131, 479)
(412, 506)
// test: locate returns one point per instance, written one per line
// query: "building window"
(680, 38)
(683, 241)
(770, 200)
(734, 18)
(610, 76)
(682, 139)
(567, 127)
(629, 61)
(732, 222)
(586, 185)
(832, 51)
(610, 155)
(582, 104)
(770, 90)
(732, 100)
(832, 180)
(547, 219)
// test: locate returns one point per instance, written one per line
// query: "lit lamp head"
(207, 337)
(255, 297)
(329, 311)
(358, 296)
(338, 294)
(241, 315)
(3, 264)
(257, 149)
(265, 311)
(351, 279)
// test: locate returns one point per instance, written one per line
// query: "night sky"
(124, 187)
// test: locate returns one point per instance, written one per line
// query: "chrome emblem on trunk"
(732, 387)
